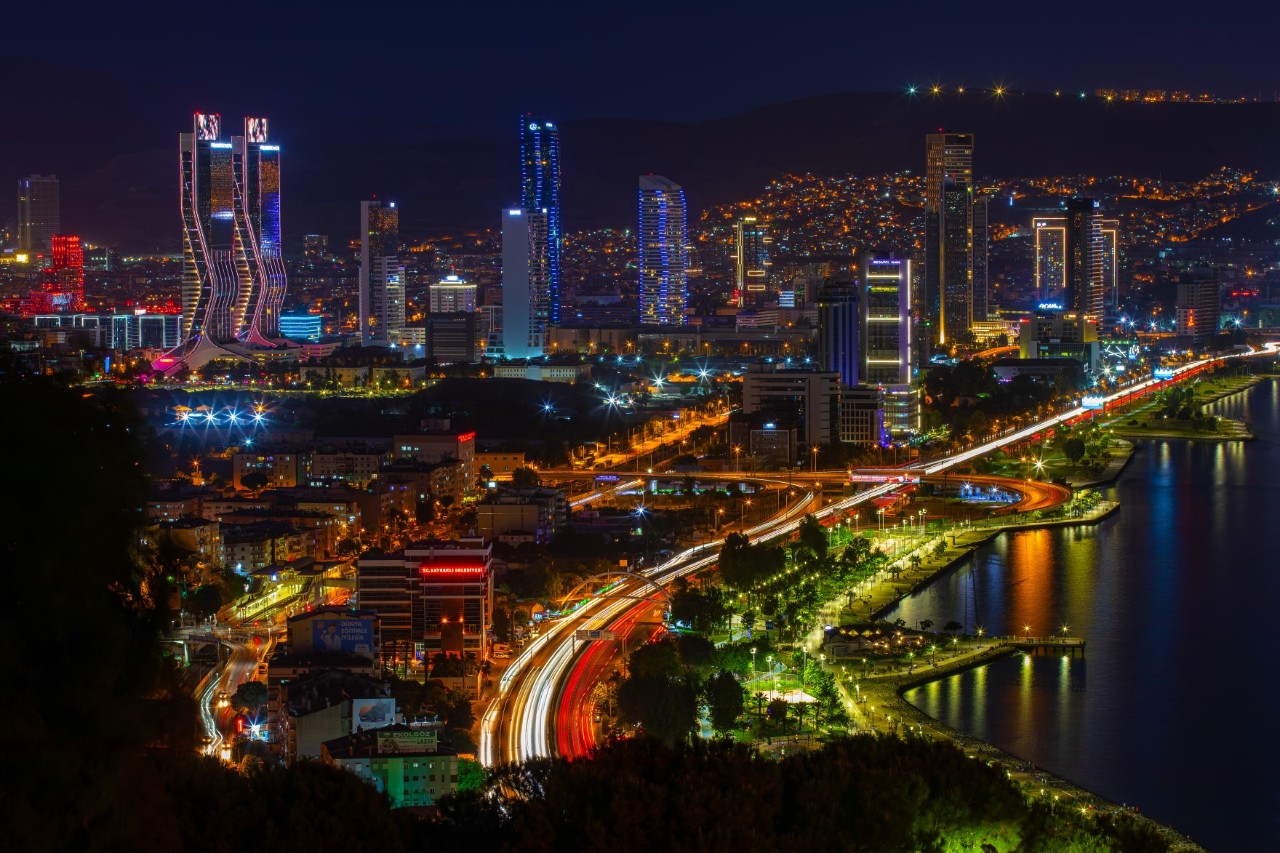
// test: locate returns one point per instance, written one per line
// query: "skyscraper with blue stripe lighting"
(663, 241)
(540, 191)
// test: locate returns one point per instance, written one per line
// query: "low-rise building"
(405, 763)
(325, 705)
(438, 447)
(862, 415)
(197, 536)
(260, 544)
(346, 466)
(281, 468)
(500, 462)
(567, 373)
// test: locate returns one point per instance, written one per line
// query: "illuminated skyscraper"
(62, 281)
(39, 216)
(233, 279)
(838, 330)
(1084, 250)
(663, 239)
(752, 243)
(980, 254)
(526, 273)
(948, 235)
(451, 295)
(540, 191)
(1051, 258)
(257, 206)
(886, 320)
(382, 275)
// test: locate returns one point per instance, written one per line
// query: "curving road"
(544, 697)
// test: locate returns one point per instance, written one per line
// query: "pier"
(1061, 644)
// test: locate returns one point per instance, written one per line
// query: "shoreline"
(888, 691)
(887, 695)
(1235, 430)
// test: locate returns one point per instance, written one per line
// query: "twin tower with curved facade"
(233, 274)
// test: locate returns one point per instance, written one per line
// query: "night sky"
(474, 64)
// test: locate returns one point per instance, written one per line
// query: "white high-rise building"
(451, 295)
(382, 275)
(526, 283)
(663, 252)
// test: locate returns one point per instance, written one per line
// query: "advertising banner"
(372, 713)
(413, 741)
(354, 636)
(1162, 373)
(255, 129)
(208, 126)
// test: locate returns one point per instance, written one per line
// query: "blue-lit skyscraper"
(663, 241)
(540, 191)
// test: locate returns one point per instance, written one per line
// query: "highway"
(541, 711)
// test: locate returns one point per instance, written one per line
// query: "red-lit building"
(62, 282)
(434, 596)
(438, 447)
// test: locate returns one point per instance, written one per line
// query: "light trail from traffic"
(532, 698)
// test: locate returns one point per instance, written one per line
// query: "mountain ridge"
(122, 188)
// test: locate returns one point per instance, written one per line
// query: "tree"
(525, 478)
(254, 480)
(777, 711)
(659, 659)
(471, 775)
(667, 708)
(724, 700)
(1074, 449)
(952, 626)
(205, 601)
(348, 547)
(926, 624)
(250, 695)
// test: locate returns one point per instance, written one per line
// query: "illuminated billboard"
(1162, 373)
(255, 129)
(419, 741)
(354, 636)
(1092, 403)
(208, 126)
(372, 713)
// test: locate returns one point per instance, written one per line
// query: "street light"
(753, 662)
(814, 451)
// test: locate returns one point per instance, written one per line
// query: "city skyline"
(728, 451)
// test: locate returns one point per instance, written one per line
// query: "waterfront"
(1170, 709)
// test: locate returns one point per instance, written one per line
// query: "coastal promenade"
(873, 686)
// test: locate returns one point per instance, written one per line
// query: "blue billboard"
(354, 636)
(1162, 373)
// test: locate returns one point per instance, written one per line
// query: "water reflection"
(1173, 595)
